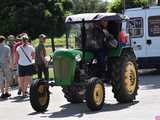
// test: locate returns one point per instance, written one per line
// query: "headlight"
(78, 58)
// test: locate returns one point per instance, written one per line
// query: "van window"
(154, 26)
(135, 27)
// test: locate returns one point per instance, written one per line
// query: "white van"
(144, 29)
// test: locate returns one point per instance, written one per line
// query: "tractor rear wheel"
(124, 78)
(39, 95)
(95, 94)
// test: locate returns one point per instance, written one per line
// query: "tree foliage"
(117, 5)
(33, 16)
(88, 6)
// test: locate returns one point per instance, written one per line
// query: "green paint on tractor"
(115, 52)
(65, 65)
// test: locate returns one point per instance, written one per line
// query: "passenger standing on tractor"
(26, 54)
(40, 60)
(5, 65)
(109, 39)
(104, 40)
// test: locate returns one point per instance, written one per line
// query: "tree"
(117, 5)
(88, 6)
(33, 16)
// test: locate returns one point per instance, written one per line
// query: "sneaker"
(19, 92)
(7, 94)
(3, 96)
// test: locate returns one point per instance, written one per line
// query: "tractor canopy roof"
(92, 17)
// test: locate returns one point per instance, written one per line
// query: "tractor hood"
(73, 53)
(89, 17)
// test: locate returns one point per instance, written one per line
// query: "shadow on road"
(148, 72)
(3, 99)
(19, 99)
(149, 79)
(78, 110)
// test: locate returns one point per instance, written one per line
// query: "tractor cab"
(82, 31)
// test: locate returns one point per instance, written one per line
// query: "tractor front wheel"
(95, 94)
(39, 95)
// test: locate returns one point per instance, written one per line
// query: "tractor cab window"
(74, 34)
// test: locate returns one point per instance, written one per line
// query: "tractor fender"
(119, 51)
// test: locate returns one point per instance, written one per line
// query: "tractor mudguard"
(117, 52)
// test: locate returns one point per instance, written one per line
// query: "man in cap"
(5, 64)
(40, 58)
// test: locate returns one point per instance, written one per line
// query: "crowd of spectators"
(17, 58)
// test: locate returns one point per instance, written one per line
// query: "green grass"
(58, 42)
(51, 75)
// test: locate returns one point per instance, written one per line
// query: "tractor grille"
(63, 70)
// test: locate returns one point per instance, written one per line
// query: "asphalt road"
(146, 106)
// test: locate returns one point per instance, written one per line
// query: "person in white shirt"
(25, 55)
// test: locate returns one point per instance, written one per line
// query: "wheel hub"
(130, 77)
(98, 94)
(42, 94)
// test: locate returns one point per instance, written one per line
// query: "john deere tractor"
(77, 69)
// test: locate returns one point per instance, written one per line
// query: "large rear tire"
(95, 94)
(73, 94)
(39, 95)
(124, 78)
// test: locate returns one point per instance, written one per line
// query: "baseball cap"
(42, 36)
(24, 36)
(11, 37)
(2, 38)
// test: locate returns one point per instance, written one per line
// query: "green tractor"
(77, 71)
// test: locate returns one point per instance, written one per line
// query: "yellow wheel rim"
(130, 77)
(98, 94)
(43, 97)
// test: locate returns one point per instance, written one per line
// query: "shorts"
(5, 73)
(25, 70)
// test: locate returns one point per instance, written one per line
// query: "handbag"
(34, 66)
